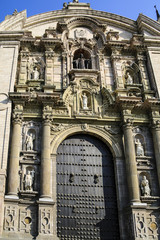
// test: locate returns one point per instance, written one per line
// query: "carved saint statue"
(146, 191)
(29, 178)
(84, 101)
(35, 74)
(139, 148)
(30, 142)
(129, 78)
(81, 62)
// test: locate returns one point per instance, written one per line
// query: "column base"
(47, 237)
(138, 204)
(11, 197)
(45, 200)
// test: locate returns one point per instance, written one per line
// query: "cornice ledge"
(19, 96)
(50, 97)
(148, 24)
(151, 102)
(128, 100)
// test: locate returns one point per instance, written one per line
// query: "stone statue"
(139, 148)
(29, 178)
(84, 101)
(146, 191)
(81, 62)
(75, 1)
(65, 5)
(35, 74)
(129, 78)
(30, 142)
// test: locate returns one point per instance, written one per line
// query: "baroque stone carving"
(84, 99)
(146, 191)
(28, 220)
(35, 68)
(30, 138)
(46, 218)
(85, 127)
(10, 222)
(131, 73)
(129, 78)
(28, 181)
(139, 148)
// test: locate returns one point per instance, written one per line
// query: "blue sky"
(126, 8)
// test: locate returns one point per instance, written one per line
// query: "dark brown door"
(86, 193)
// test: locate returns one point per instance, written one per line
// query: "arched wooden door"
(86, 192)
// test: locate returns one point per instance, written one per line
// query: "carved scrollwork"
(128, 122)
(47, 118)
(17, 118)
(85, 127)
(156, 124)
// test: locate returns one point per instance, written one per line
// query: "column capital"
(128, 123)
(47, 119)
(17, 118)
(156, 124)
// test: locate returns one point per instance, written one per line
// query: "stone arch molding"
(97, 28)
(107, 138)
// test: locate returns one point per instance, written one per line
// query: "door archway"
(86, 191)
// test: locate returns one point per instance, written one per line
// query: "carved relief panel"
(82, 97)
(11, 218)
(32, 71)
(46, 220)
(28, 220)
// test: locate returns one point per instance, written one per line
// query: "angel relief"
(35, 68)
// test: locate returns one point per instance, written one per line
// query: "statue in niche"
(139, 148)
(146, 191)
(81, 61)
(35, 68)
(35, 74)
(28, 181)
(84, 101)
(129, 78)
(30, 138)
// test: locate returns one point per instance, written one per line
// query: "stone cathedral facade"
(79, 126)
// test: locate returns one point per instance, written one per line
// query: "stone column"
(46, 171)
(131, 166)
(156, 141)
(13, 177)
